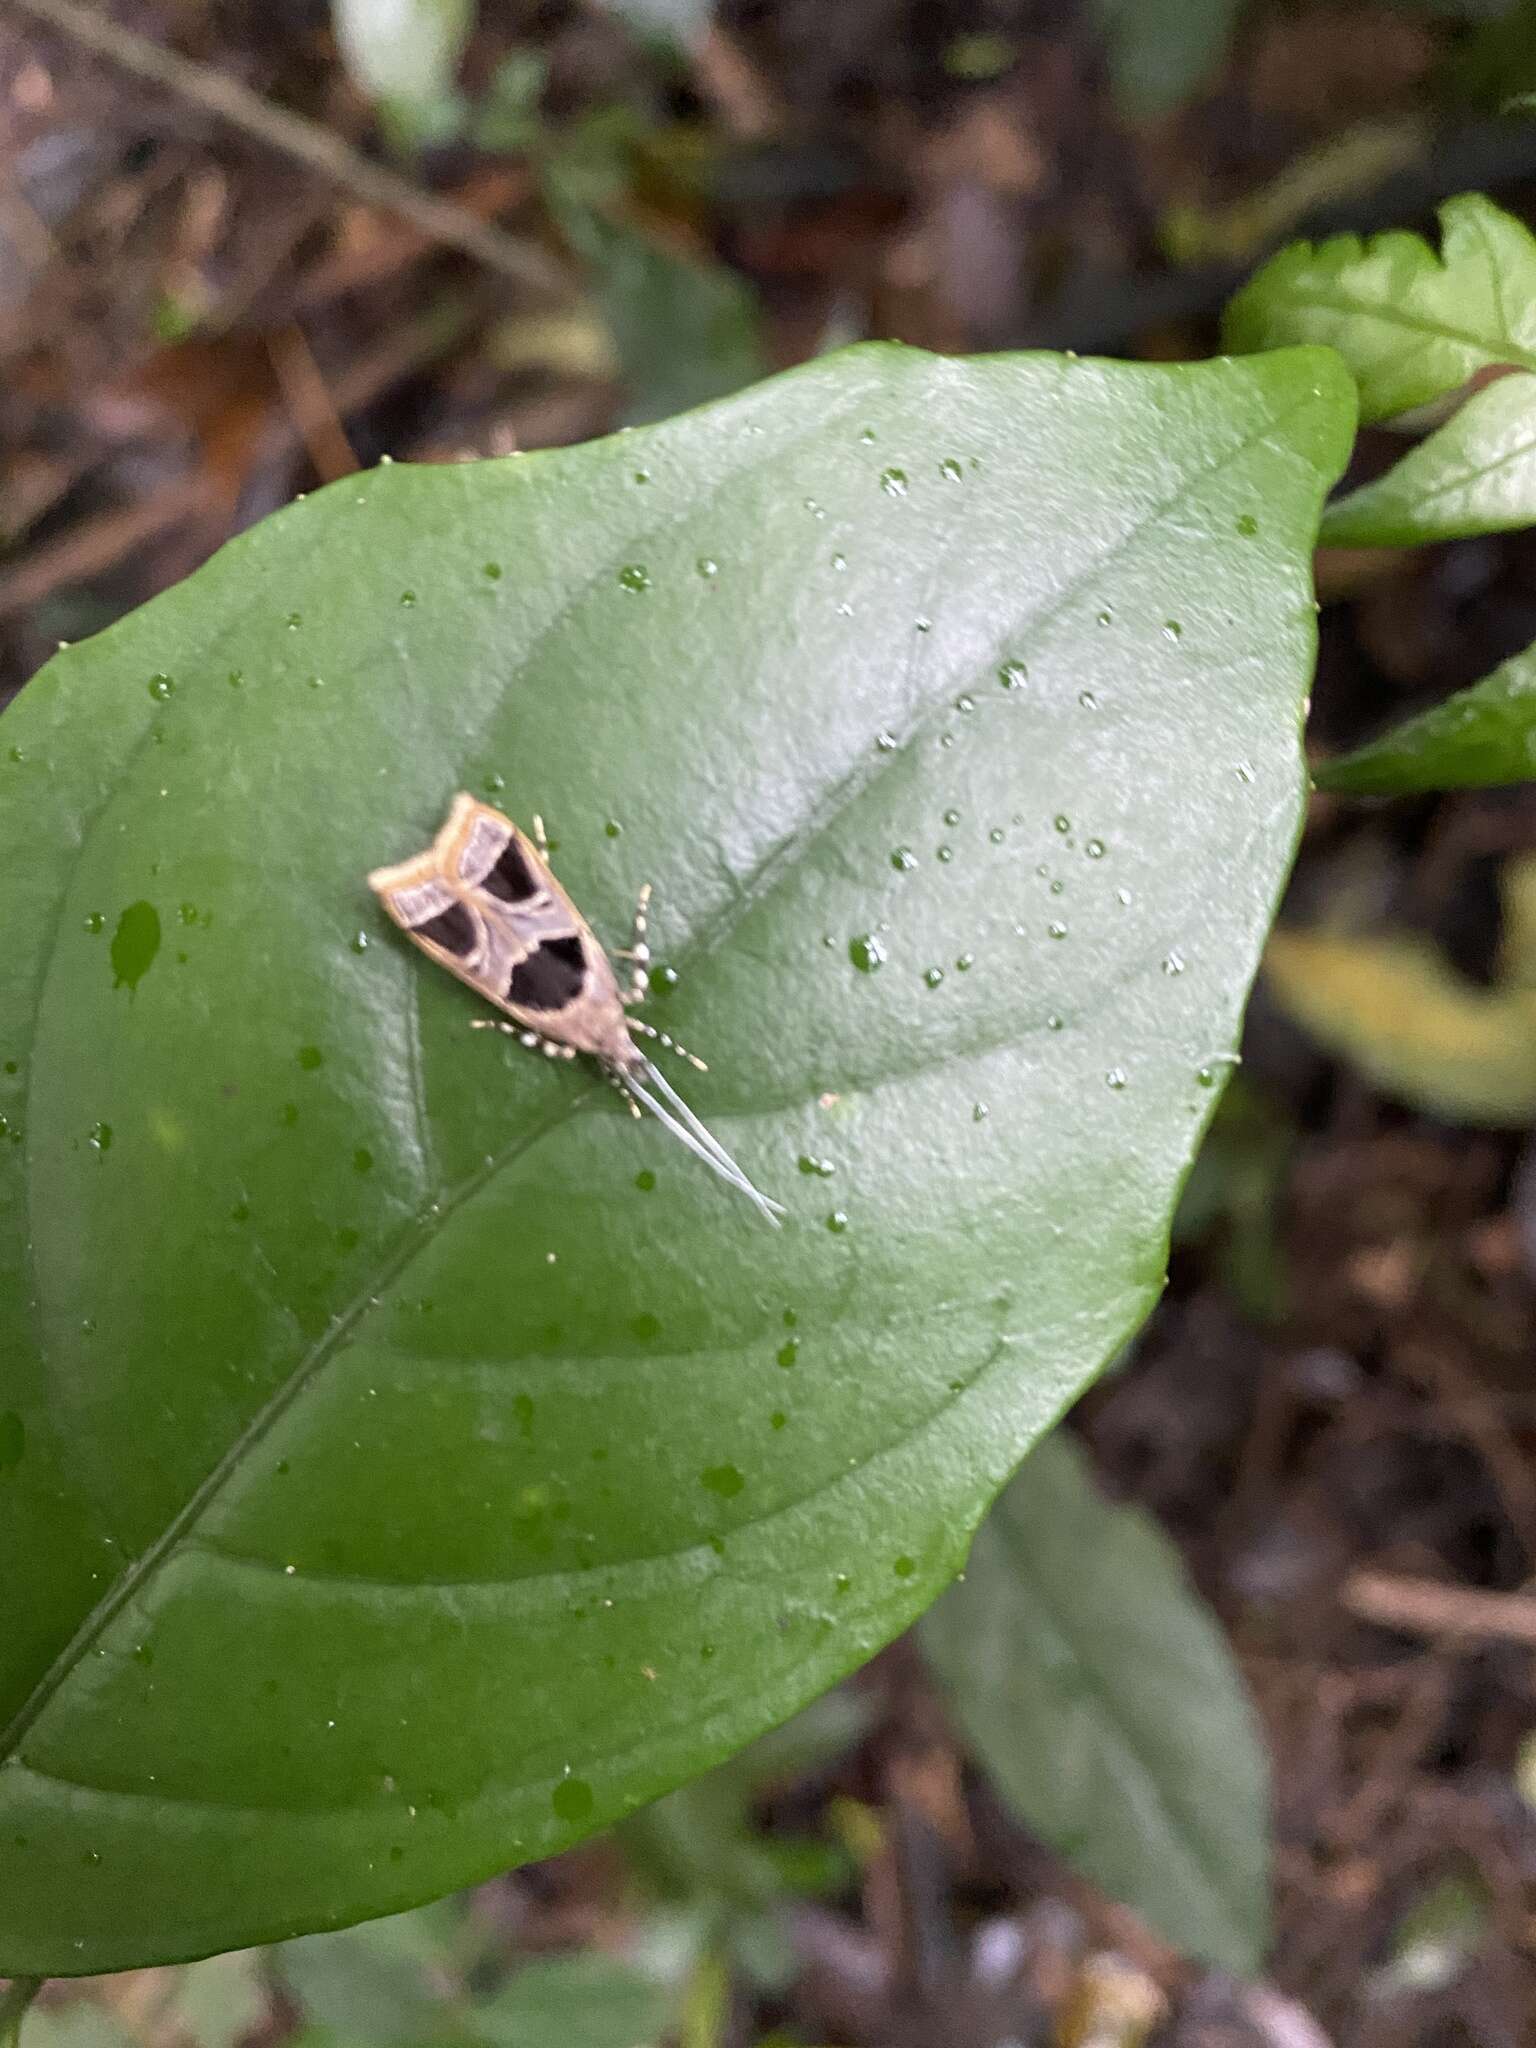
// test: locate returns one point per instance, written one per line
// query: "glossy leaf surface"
(1476, 474)
(410, 1463)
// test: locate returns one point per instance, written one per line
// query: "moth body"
(483, 902)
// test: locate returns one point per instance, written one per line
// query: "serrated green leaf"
(1475, 474)
(411, 1463)
(1412, 1025)
(1479, 738)
(1102, 1701)
(1412, 324)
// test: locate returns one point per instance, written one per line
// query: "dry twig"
(305, 141)
(1426, 1607)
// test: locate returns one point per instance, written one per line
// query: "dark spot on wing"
(511, 879)
(549, 979)
(453, 929)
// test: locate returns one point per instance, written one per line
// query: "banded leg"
(665, 1038)
(551, 1048)
(638, 952)
(633, 1107)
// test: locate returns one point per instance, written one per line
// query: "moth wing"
(482, 903)
(566, 973)
(490, 853)
(455, 920)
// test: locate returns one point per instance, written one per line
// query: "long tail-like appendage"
(669, 1108)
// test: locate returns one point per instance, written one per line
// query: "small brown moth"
(483, 902)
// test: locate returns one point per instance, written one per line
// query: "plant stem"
(15, 1997)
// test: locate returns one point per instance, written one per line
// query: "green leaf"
(386, 1981)
(409, 1462)
(220, 2002)
(1476, 474)
(81, 2023)
(1160, 52)
(699, 1845)
(405, 55)
(1437, 1938)
(1101, 1699)
(1412, 1025)
(1411, 324)
(1479, 738)
(508, 115)
(1236, 1188)
(685, 330)
(585, 2001)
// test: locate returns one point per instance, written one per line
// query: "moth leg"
(638, 952)
(541, 839)
(552, 1048)
(665, 1038)
(630, 1102)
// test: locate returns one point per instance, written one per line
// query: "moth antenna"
(719, 1163)
(664, 1038)
(680, 1120)
(637, 1094)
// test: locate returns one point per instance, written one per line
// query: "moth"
(482, 901)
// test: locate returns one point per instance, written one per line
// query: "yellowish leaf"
(1410, 1023)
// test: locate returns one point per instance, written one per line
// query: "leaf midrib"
(1388, 490)
(1440, 330)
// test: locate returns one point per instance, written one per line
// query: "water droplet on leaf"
(135, 943)
(572, 1800)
